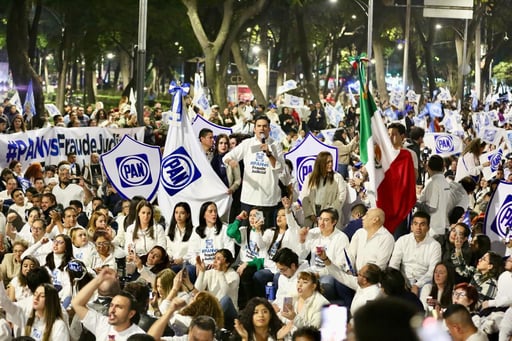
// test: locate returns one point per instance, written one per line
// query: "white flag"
(187, 175)
(133, 108)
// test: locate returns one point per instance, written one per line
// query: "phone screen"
(334, 323)
(259, 216)
(287, 303)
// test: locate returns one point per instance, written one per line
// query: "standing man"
(417, 253)
(120, 322)
(207, 141)
(435, 196)
(263, 160)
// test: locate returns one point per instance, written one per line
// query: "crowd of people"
(79, 262)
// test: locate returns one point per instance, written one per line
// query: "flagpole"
(141, 60)
(370, 39)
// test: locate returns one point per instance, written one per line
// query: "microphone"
(262, 137)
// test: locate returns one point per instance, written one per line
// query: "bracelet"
(189, 290)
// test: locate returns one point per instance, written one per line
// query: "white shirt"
(434, 199)
(219, 283)
(177, 248)
(376, 250)
(362, 296)
(98, 325)
(478, 336)
(334, 245)
(287, 287)
(207, 247)
(144, 243)
(416, 260)
(260, 185)
(504, 294)
(65, 195)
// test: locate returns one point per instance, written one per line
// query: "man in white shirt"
(121, 313)
(66, 191)
(460, 325)
(373, 243)
(417, 253)
(287, 262)
(435, 196)
(366, 283)
(263, 160)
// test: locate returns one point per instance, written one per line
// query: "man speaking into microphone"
(263, 161)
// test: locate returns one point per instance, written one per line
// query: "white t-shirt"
(98, 325)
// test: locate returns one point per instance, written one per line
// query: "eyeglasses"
(102, 244)
(458, 294)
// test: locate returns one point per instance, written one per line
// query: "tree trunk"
(63, 60)
(311, 89)
(413, 67)
(17, 51)
(246, 75)
(125, 61)
(380, 70)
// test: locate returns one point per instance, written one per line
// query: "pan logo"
(304, 167)
(134, 170)
(444, 144)
(495, 160)
(178, 171)
(503, 220)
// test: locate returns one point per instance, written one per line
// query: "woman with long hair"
(17, 288)
(18, 125)
(202, 303)
(45, 322)
(469, 161)
(259, 322)
(56, 262)
(222, 281)
(144, 233)
(230, 176)
(178, 235)
(308, 302)
(162, 286)
(150, 264)
(323, 188)
(209, 236)
(439, 292)
(484, 276)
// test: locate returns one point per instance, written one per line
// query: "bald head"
(374, 218)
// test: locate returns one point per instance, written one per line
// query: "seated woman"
(484, 275)
(161, 289)
(144, 233)
(17, 288)
(149, 265)
(439, 292)
(202, 303)
(103, 254)
(82, 248)
(259, 321)
(222, 281)
(467, 295)
(10, 266)
(179, 234)
(307, 305)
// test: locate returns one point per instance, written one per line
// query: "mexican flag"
(391, 172)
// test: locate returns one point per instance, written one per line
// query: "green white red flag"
(392, 180)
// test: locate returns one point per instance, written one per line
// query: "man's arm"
(81, 299)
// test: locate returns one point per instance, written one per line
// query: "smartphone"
(259, 216)
(334, 322)
(287, 303)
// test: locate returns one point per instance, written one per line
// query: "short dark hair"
(416, 133)
(286, 257)
(373, 273)
(398, 126)
(462, 314)
(436, 163)
(141, 294)
(76, 203)
(37, 276)
(422, 214)
(468, 183)
(333, 212)
(205, 131)
(385, 319)
(262, 117)
(140, 337)
(309, 332)
(203, 322)
(132, 306)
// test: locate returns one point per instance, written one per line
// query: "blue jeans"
(336, 292)
(230, 312)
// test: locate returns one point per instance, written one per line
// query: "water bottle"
(270, 291)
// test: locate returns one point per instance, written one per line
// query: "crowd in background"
(79, 262)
